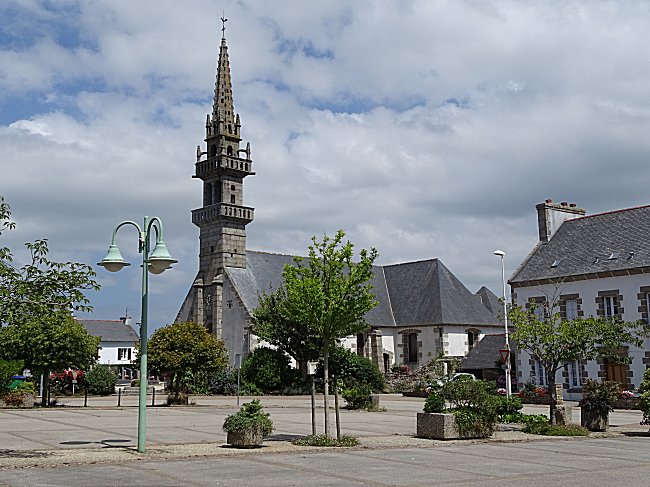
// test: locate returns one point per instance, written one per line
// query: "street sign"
(505, 353)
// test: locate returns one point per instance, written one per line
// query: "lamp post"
(502, 254)
(157, 262)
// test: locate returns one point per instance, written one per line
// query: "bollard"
(313, 406)
(86, 397)
(336, 410)
(153, 396)
(119, 397)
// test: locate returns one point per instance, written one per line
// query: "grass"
(323, 440)
(547, 429)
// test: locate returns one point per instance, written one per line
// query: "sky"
(424, 128)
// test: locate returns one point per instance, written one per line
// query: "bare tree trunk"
(326, 364)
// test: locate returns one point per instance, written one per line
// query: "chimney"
(126, 320)
(551, 215)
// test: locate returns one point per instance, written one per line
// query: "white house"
(117, 345)
(593, 265)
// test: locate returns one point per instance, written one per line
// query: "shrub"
(434, 403)
(599, 396)
(357, 396)
(473, 404)
(62, 381)
(101, 380)
(522, 418)
(267, 369)
(351, 368)
(508, 406)
(223, 381)
(324, 440)
(135, 383)
(644, 397)
(8, 368)
(250, 390)
(544, 428)
(250, 415)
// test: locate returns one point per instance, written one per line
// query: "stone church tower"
(222, 219)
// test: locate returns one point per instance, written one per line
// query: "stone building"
(595, 265)
(423, 308)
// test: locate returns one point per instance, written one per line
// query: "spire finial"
(223, 25)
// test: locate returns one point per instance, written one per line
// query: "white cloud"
(426, 129)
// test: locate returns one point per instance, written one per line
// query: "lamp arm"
(127, 222)
(155, 223)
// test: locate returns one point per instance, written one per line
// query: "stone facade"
(222, 167)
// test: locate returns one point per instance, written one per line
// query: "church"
(423, 310)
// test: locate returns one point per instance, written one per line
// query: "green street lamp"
(157, 262)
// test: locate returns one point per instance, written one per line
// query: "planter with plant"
(597, 401)
(248, 426)
(472, 412)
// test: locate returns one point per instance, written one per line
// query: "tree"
(47, 343)
(330, 295)
(267, 369)
(40, 287)
(272, 324)
(185, 351)
(556, 342)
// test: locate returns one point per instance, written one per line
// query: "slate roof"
(110, 330)
(491, 302)
(409, 294)
(485, 353)
(581, 247)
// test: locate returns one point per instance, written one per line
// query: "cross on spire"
(223, 25)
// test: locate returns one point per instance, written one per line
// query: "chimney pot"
(564, 203)
(572, 205)
(549, 200)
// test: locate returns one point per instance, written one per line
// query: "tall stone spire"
(223, 217)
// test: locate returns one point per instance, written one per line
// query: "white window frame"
(540, 374)
(124, 353)
(575, 380)
(571, 309)
(610, 306)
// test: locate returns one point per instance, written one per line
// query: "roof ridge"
(412, 262)
(607, 213)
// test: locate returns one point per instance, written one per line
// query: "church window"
(229, 147)
(213, 151)
(232, 187)
(412, 347)
(232, 199)
(229, 129)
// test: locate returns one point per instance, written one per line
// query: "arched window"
(232, 199)
(229, 150)
(213, 150)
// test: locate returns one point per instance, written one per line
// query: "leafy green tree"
(48, 343)
(8, 368)
(556, 342)
(352, 369)
(185, 351)
(267, 369)
(101, 380)
(330, 295)
(272, 323)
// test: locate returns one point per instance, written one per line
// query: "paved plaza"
(74, 446)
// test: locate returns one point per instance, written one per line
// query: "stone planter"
(437, 426)
(594, 420)
(250, 438)
(23, 401)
